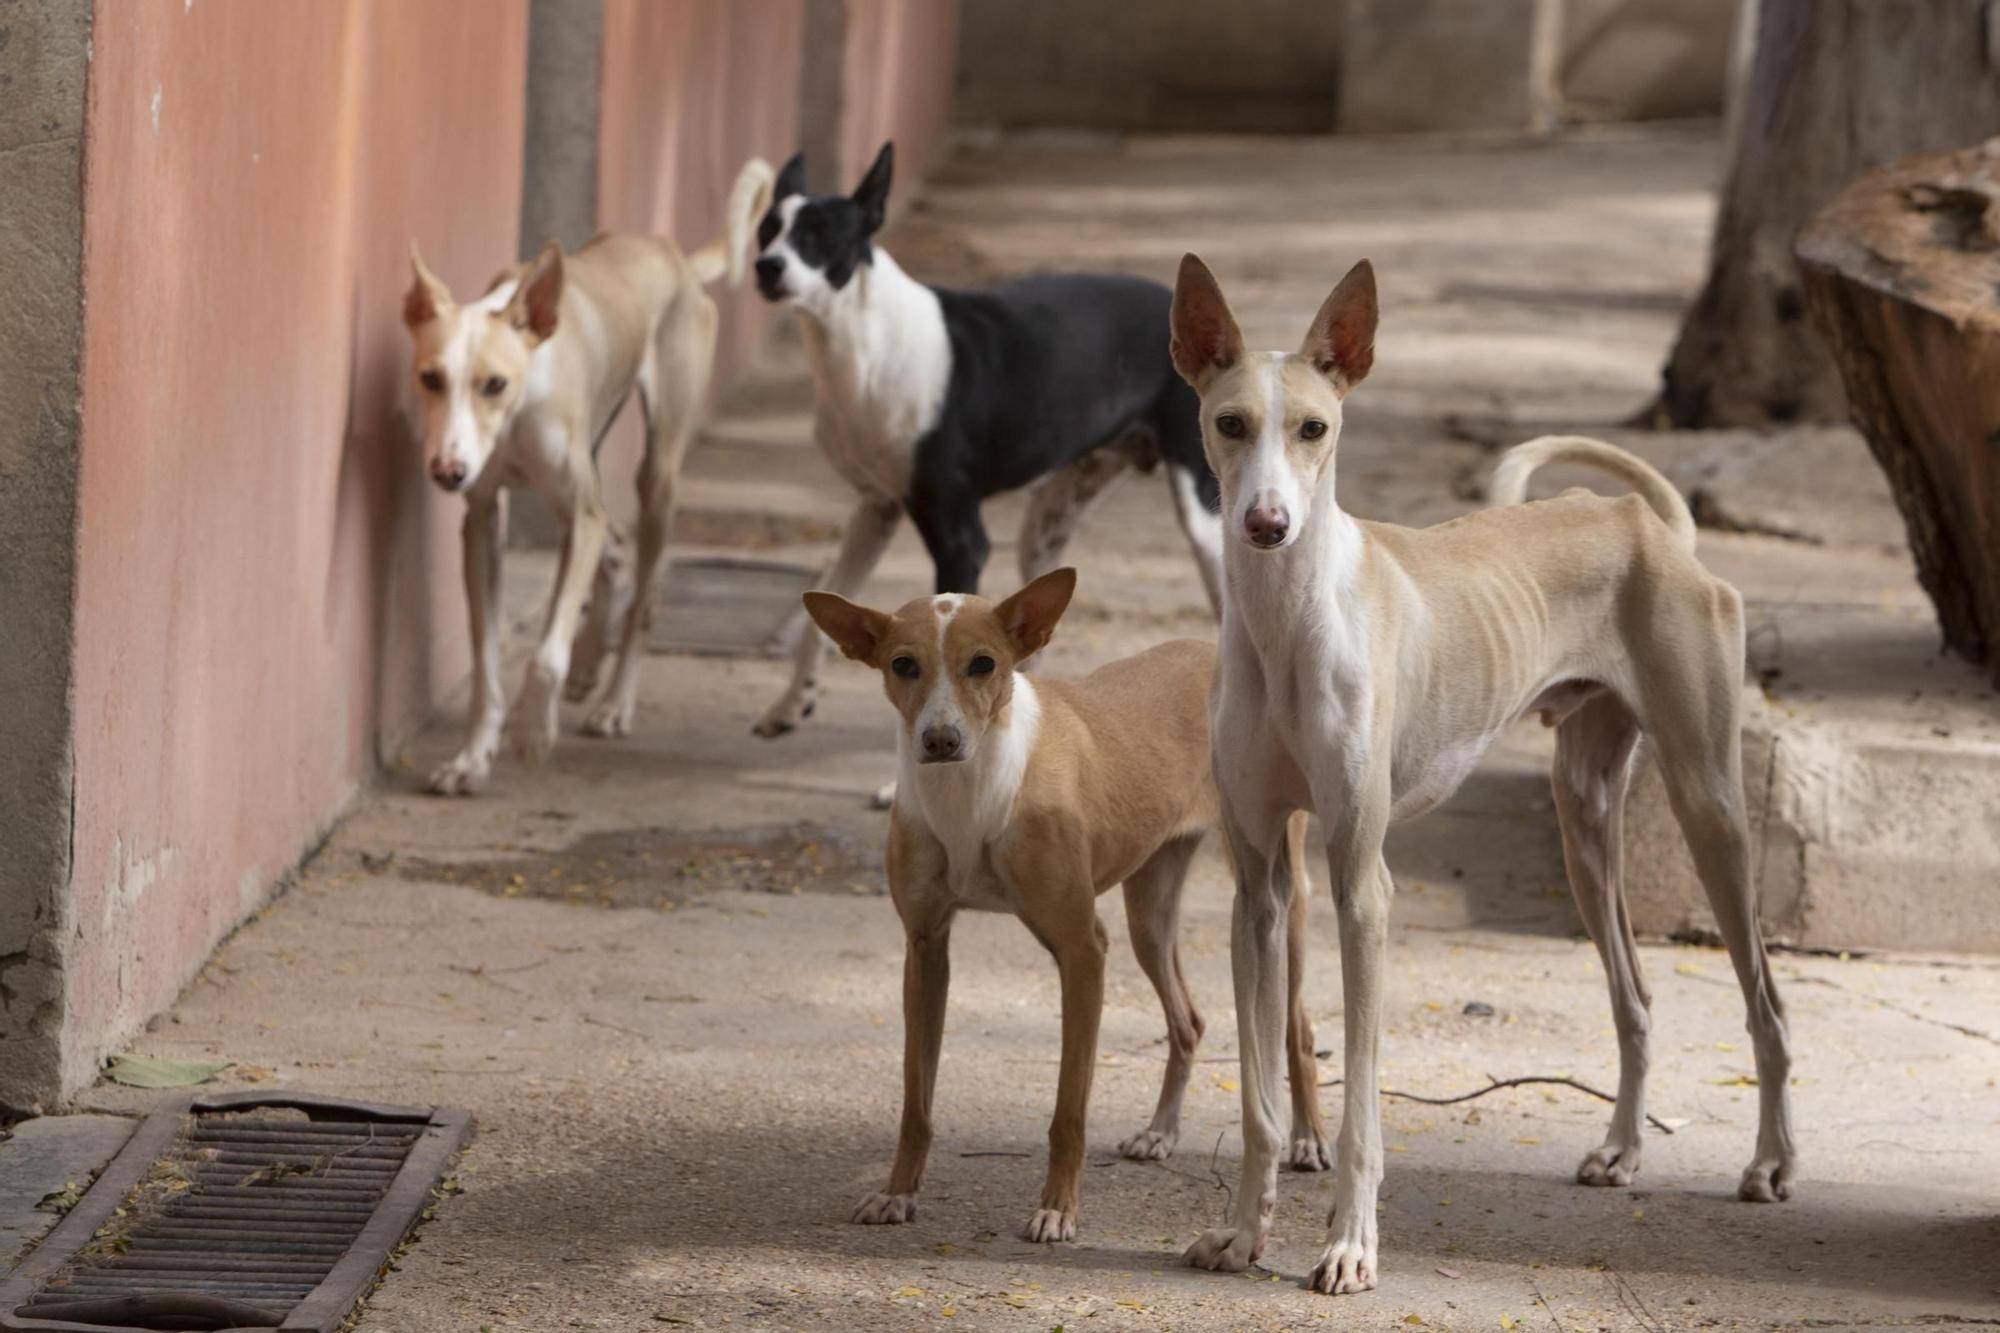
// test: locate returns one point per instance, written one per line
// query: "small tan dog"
(1364, 668)
(518, 387)
(1033, 797)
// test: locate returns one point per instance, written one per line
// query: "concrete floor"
(685, 1063)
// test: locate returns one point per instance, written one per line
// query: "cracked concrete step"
(43, 1156)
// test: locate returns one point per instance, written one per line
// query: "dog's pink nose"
(1267, 527)
(448, 473)
(942, 744)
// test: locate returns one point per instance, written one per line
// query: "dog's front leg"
(1257, 953)
(1362, 890)
(482, 536)
(534, 722)
(1067, 924)
(869, 529)
(926, 983)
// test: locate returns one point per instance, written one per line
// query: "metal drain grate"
(726, 607)
(252, 1212)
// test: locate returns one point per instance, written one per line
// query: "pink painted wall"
(267, 593)
(900, 60)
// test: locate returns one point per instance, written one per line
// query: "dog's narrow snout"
(942, 743)
(1267, 527)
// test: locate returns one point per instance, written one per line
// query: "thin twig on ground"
(1498, 1083)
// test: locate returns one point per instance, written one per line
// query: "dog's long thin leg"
(534, 722)
(869, 529)
(483, 536)
(1153, 914)
(671, 405)
(1066, 923)
(1593, 766)
(1694, 722)
(1058, 504)
(926, 984)
(1311, 1150)
(1362, 890)
(1257, 955)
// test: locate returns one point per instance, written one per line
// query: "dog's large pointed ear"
(1341, 341)
(858, 630)
(873, 192)
(428, 297)
(538, 299)
(1205, 336)
(1030, 615)
(791, 179)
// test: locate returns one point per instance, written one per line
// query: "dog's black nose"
(942, 744)
(770, 271)
(1267, 527)
(450, 475)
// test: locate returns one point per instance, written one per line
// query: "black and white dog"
(932, 400)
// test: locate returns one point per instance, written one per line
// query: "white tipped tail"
(728, 254)
(1510, 478)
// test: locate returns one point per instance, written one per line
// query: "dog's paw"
(531, 730)
(1344, 1268)
(1049, 1225)
(883, 797)
(1611, 1164)
(1224, 1250)
(1309, 1152)
(461, 775)
(1149, 1145)
(612, 718)
(885, 1210)
(785, 716)
(1766, 1180)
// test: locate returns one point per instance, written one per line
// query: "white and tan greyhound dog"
(518, 389)
(1033, 797)
(1364, 668)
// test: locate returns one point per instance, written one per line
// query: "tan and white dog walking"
(518, 388)
(1033, 797)
(1365, 668)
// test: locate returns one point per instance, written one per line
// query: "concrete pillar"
(822, 95)
(44, 59)
(1427, 65)
(559, 161)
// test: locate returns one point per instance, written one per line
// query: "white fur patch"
(967, 805)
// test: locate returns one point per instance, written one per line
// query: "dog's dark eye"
(1230, 425)
(906, 667)
(493, 386)
(982, 665)
(432, 381)
(1312, 430)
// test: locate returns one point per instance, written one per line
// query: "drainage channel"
(253, 1212)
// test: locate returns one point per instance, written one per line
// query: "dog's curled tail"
(728, 254)
(1510, 478)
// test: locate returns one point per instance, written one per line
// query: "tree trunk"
(1899, 274)
(1836, 87)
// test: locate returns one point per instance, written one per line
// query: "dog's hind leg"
(1153, 914)
(1311, 1149)
(1058, 504)
(1692, 716)
(867, 535)
(1203, 526)
(1593, 766)
(671, 383)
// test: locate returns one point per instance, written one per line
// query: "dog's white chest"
(881, 361)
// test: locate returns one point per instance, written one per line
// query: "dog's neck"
(867, 315)
(1304, 586)
(968, 804)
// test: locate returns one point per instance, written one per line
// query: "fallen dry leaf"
(1449, 1272)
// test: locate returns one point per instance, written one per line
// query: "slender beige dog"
(1364, 668)
(518, 387)
(1033, 797)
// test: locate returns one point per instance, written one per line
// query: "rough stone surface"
(677, 1108)
(559, 166)
(45, 1156)
(1417, 65)
(44, 54)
